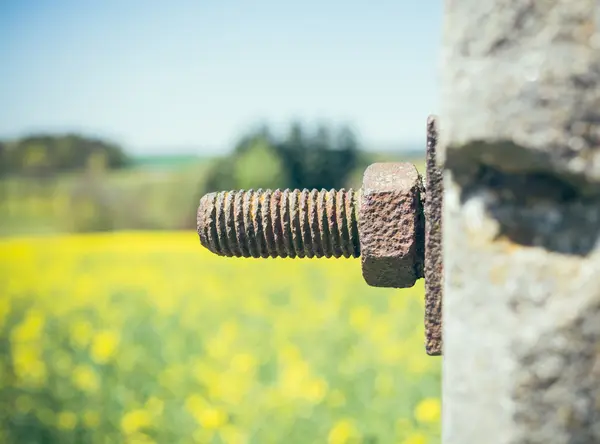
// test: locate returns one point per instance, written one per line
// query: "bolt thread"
(280, 223)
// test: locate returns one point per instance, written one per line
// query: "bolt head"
(391, 225)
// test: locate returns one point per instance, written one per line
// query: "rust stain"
(498, 274)
(507, 245)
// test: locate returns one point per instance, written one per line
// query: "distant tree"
(4, 170)
(42, 155)
(4, 167)
(346, 154)
(219, 177)
(300, 159)
(293, 151)
(321, 160)
(260, 166)
(320, 171)
(255, 163)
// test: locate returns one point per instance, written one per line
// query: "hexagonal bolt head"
(391, 225)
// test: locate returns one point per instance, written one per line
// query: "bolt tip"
(205, 219)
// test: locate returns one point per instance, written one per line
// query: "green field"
(163, 196)
(156, 193)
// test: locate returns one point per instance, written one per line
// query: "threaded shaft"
(280, 223)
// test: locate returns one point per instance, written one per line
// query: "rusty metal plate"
(434, 270)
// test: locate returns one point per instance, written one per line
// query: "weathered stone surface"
(521, 81)
(521, 321)
(391, 225)
(520, 125)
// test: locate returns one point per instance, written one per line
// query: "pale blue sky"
(193, 75)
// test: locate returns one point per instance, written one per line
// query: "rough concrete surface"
(520, 134)
(521, 327)
(521, 83)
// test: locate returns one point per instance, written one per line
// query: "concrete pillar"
(520, 144)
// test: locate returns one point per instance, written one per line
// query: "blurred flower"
(360, 318)
(135, 420)
(416, 438)
(204, 414)
(195, 402)
(85, 378)
(343, 431)
(315, 390)
(244, 363)
(66, 420)
(104, 345)
(81, 332)
(30, 328)
(428, 410)
(4, 309)
(211, 418)
(208, 417)
(28, 365)
(250, 360)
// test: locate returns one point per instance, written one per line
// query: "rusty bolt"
(280, 223)
(383, 222)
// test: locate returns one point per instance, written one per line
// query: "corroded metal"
(391, 225)
(434, 270)
(280, 223)
(387, 212)
(394, 223)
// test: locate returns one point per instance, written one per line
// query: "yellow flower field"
(147, 338)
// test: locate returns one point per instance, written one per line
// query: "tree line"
(298, 157)
(301, 157)
(42, 155)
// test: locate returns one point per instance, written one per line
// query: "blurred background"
(115, 325)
